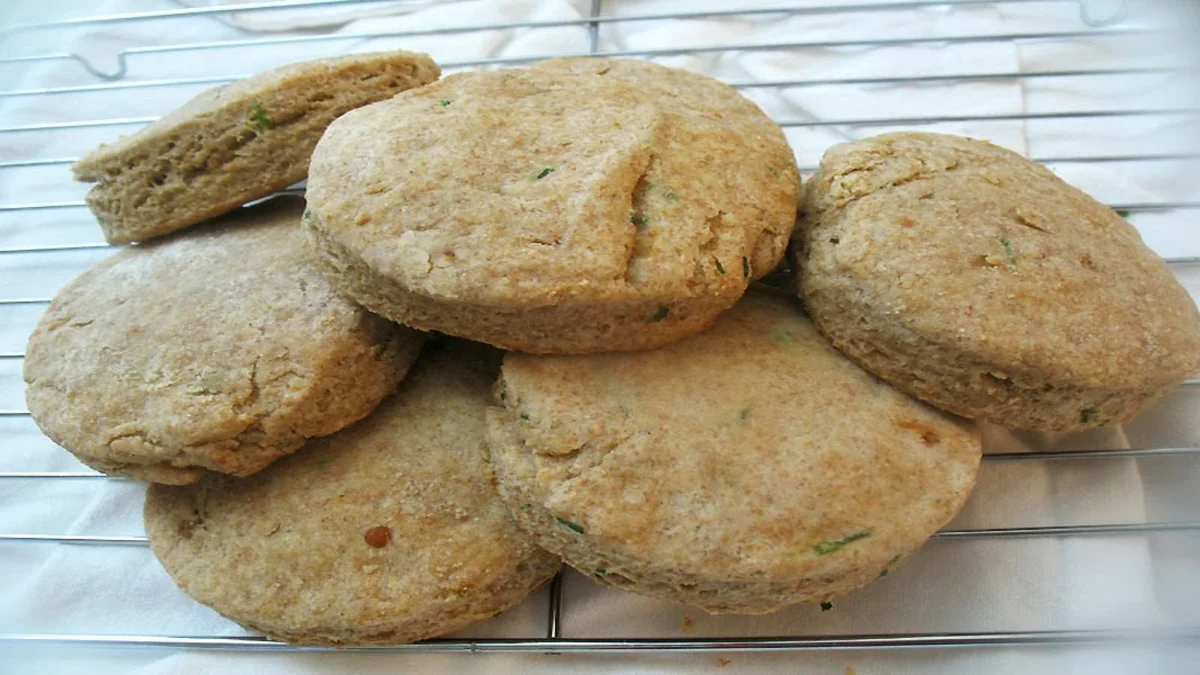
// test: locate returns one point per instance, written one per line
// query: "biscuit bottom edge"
(162, 473)
(577, 328)
(975, 389)
(502, 595)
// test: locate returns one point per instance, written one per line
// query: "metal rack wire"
(1092, 26)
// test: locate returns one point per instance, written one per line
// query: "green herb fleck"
(834, 545)
(781, 336)
(259, 114)
(745, 267)
(1088, 416)
(600, 571)
(883, 573)
(638, 219)
(665, 191)
(443, 102)
(780, 166)
(660, 314)
(1008, 251)
(545, 172)
(527, 507)
(826, 606)
(569, 525)
(323, 463)
(720, 267)
(1122, 212)
(744, 414)
(523, 417)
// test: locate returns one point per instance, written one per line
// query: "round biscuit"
(980, 282)
(234, 143)
(560, 209)
(221, 350)
(385, 533)
(741, 470)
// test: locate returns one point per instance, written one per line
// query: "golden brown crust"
(979, 281)
(234, 143)
(221, 350)
(386, 533)
(724, 470)
(552, 199)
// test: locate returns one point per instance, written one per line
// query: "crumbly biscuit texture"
(566, 208)
(234, 143)
(977, 280)
(219, 350)
(741, 470)
(386, 533)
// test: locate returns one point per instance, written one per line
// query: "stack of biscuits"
(340, 453)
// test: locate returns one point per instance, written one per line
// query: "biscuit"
(978, 281)
(741, 470)
(234, 143)
(576, 207)
(386, 533)
(217, 350)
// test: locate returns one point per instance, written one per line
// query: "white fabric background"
(986, 585)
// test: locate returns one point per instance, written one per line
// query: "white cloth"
(953, 585)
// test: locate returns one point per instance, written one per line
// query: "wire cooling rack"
(1091, 22)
